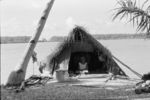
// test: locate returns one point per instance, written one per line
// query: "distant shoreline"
(106, 37)
(26, 39)
(17, 39)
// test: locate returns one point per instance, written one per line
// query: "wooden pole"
(17, 76)
(33, 68)
(139, 75)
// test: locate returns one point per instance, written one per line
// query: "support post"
(136, 73)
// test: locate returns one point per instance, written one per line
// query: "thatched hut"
(81, 43)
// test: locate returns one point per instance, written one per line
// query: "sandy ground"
(83, 88)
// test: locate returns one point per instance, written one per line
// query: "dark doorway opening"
(95, 66)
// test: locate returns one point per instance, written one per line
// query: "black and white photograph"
(75, 49)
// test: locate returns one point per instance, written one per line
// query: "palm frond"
(144, 3)
(138, 15)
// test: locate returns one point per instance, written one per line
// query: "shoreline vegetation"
(26, 39)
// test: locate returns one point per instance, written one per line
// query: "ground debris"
(33, 81)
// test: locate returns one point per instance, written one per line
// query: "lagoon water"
(133, 52)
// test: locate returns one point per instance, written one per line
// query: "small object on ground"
(111, 77)
(147, 82)
(31, 81)
(142, 87)
(60, 75)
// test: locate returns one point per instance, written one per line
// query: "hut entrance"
(97, 65)
(94, 65)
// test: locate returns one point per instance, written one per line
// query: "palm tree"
(17, 76)
(139, 15)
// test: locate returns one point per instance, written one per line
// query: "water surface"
(133, 52)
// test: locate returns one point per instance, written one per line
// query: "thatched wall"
(80, 40)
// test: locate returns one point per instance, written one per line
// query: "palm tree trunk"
(18, 75)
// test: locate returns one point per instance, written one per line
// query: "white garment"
(82, 66)
(64, 65)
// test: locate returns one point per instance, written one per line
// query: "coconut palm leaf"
(137, 15)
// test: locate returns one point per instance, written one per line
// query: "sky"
(20, 17)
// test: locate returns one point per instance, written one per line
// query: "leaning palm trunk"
(18, 75)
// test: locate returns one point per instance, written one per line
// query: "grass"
(61, 91)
